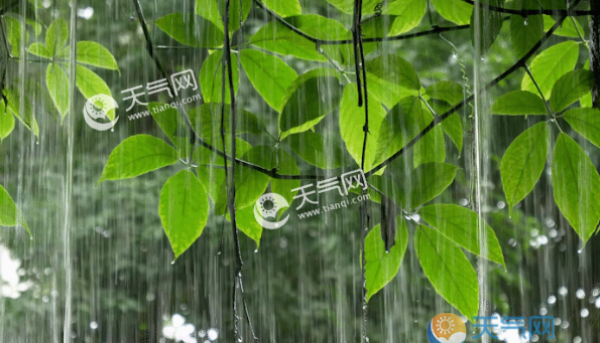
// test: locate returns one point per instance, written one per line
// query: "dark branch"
(520, 63)
(525, 13)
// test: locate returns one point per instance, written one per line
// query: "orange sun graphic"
(444, 325)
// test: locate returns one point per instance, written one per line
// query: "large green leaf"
(9, 214)
(567, 29)
(550, 65)
(57, 82)
(347, 6)
(448, 270)
(284, 8)
(432, 147)
(234, 12)
(576, 185)
(269, 75)
(192, 30)
(452, 125)
(387, 92)
(456, 11)
(310, 98)
(247, 224)
(183, 210)
(285, 165)
(39, 49)
(352, 121)
(448, 91)
(488, 26)
(382, 266)
(26, 114)
(13, 27)
(394, 69)
(586, 121)
(206, 122)
(519, 103)
(90, 84)
(525, 33)
(211, 76)
(7, 121)
(428, 181)
(166, 117)
(409, 14)
(57, 36)
(401, 124)
(523, 163)
(209, 10)
(316, 150)
(96, 55)
(461, 226)
(570, 88)
(138, 155)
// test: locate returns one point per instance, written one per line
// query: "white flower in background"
(10, 285)
(179, 331)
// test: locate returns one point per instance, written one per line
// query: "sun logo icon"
(446, 328)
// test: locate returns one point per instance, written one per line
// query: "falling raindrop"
(93, 325)
(551, 300)
(584, 312)
(563, 291)
(564, 325)
(580, 294)
(213, 334)
(577, 339)
(525, 22)
(598, 303)
(543, 311)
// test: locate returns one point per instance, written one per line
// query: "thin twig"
(525, 13)
(537, 86)
(491, 84)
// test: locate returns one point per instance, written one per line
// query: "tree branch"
(520, 63)
(525, 13)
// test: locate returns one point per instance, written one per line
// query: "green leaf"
(209, 10)
(386, 92)
(192, 30)
(211, 76)
(352, 120)
(9, 214)
(247, 224)
(394, 69)
(26, 114)
(269, 75)
(40, 50)
(94, 54)
(448, 270)
(7, 121)
(57, 82)
(347, 6)
(287, 166)
(550, 65)
(461, 226)
(284, 8)
(278, 38)
(576, 185)
(203, 155)
(401, 124)
(567, 29)
(586, 100)
(234, 12)
(307, 102)
(432, 147)
(453, 128)
(251, 184)
(448, 91)
(519, 103)
(409, 14)
(13, 27)
(138, 155)
(316, 150)
(489, 25)
(382, 266)
(570, 88)
(523, 163)
(183, 210)
(57, 36)
(166, 117)
(206, 122)
(90, 84)
(456, 11)
(586, 121)
(525, 33)
(428, 181)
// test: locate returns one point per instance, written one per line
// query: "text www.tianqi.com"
(334, 206)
